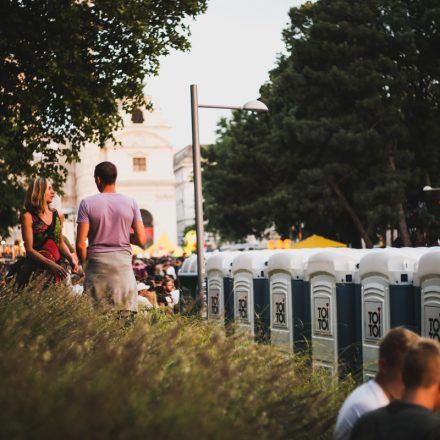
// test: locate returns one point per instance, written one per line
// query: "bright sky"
(234, 45)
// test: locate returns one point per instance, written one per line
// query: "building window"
(137, 117)
(139, 164)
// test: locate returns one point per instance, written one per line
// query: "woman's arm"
(64, 249)
(28, 239)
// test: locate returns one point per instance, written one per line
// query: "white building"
(183, 173)
(145, 172)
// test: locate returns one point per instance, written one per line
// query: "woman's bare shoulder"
(27, 216)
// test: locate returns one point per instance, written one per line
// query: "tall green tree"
(67, 68)
(344, 121)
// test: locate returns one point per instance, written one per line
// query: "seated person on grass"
(146, 296)
(172, 295)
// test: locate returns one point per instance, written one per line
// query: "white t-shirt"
(77, 289)
(363, 399)
(171, 271)
(173, 298)
(144, 303)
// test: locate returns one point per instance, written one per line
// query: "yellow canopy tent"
(316, 241)
(137, 251)
(163, 247)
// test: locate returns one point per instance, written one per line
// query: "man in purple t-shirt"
(105, 220)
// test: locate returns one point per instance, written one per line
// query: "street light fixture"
(256, 106)
(430, 188)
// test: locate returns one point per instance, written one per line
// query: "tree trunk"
(356, 220)
(403, 227)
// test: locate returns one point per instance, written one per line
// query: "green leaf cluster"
(67, 69)
(352, 132)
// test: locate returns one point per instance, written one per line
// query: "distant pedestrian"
(412, 417)
(386, 386)
(105, 220)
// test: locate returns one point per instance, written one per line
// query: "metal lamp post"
(256, 106)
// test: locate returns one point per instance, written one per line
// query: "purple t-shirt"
(110, 216)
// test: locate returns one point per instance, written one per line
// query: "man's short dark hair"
(107, 172)
(421, 367)
(394, 346)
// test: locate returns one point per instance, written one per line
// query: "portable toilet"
(388, 299)
(188, 282)
(335, 310)
(290, 320)
(219, 286)
(428, 281)
(251, 294)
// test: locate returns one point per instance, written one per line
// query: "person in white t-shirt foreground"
(386, 386)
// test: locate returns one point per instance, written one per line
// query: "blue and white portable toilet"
(335, 310)
(219, 286)
(251, 294)
(388, 299)
(428, 281)
(290, 320)
(188, 279)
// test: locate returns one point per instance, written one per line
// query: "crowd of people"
(158, 283)
(10, 251)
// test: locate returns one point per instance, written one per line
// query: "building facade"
(145, 172)
(183, 173)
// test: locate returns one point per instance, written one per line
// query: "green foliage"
(67, 68)
(67, 371)
(189, 228)
(343, 143)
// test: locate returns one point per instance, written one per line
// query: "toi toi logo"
(323, 315)
(242, 308)
(214, 305)
(280, 312)
(434, 328)
(375, 323)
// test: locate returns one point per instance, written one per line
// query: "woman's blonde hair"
(34, 201)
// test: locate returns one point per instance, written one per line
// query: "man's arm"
(140, 237)
(81, 237)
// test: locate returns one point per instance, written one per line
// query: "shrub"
(69, 371)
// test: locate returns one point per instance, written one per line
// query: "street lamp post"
(256, 106)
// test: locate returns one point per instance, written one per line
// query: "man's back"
(367, 397)
(110, 216)
(398, 421)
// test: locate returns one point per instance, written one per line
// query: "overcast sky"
(234, 45)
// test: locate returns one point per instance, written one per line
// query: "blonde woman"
(42, 228)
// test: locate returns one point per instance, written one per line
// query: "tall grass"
(68, 371)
